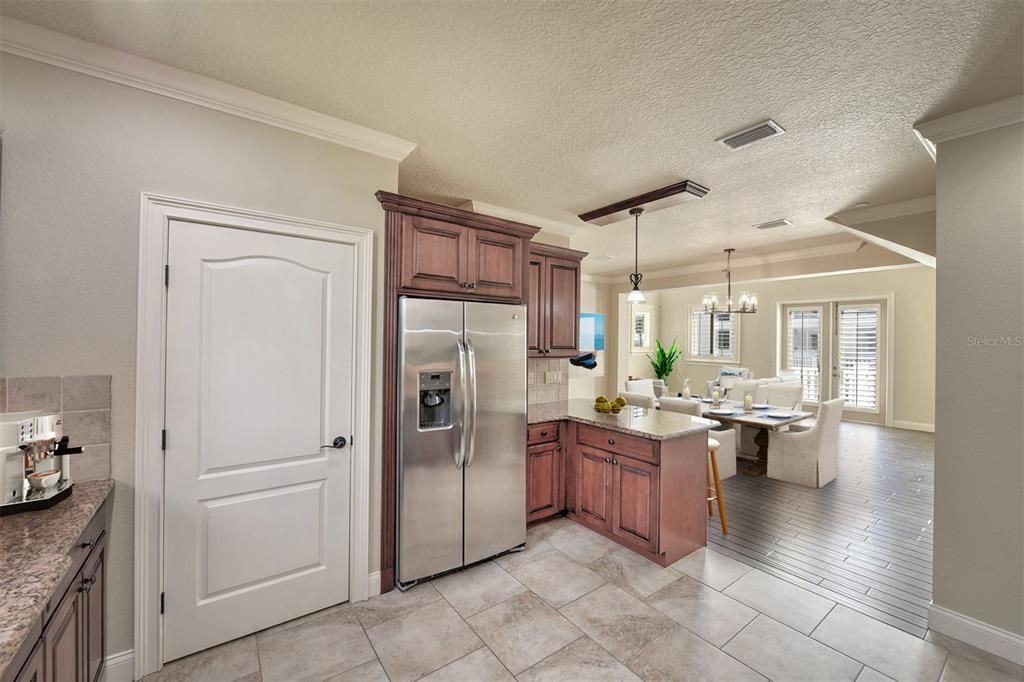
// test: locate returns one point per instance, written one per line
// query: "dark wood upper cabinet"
(434, 255)
(554, 302)
(496, 264)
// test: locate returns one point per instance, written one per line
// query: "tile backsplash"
(538, 371)
(85, 403)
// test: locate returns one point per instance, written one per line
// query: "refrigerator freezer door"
(430, 482)
(495, 469)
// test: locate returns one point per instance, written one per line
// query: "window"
(641, 331)
(858, 355)
(713, 336)
(803, 349)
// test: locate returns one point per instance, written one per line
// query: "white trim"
(689, 357)
(996, 641)
(884, 212)
(545, 224)
(64, 51)
(156, 213)
(990, 116)
(119, 667)
(913, 426)
(373, 584)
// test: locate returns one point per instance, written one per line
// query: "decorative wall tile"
(93, 464)
(88, 427)
(33, 393)
(86, 392)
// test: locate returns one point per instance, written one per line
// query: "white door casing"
(261, 524)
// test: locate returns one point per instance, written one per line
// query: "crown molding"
(58, 49)
(546, 224)
(970, 122)
(884, 212)
(597, 279)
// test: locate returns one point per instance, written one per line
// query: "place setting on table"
(761, 416)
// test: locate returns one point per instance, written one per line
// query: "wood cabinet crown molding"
(557, 251)
(398, 203)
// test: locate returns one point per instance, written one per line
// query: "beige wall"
(979, 437)
(914, 334)
(78, 152)
(585, 383)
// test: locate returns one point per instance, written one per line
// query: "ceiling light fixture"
(636, 296)
(747, 302)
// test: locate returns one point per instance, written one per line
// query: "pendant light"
(636, 296)
(747, 302)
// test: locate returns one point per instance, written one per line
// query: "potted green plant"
(664, 361)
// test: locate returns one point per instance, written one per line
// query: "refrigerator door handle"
(471, 454)
(460, 454)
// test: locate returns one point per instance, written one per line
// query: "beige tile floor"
(576, 607)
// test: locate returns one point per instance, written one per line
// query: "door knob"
(338, 443)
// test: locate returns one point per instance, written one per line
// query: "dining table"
(763, 417)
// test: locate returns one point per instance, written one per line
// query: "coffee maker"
(34, 467)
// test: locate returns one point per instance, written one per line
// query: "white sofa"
(809, 457)
(725, 435)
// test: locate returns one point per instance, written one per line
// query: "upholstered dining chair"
(788, 395)
(641, 386)
(725, 435)
(640, 399)
(809, 457)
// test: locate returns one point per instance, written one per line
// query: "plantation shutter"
(705, 345)
(858, 338)
(803, 349)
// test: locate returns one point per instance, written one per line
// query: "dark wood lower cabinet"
(635, 502)
(543, 481)
(73, 643)
(594, 486)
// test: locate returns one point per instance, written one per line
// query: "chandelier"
(747, 302)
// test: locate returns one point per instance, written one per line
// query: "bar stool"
(715, 491)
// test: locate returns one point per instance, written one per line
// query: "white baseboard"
(914, 426)
(997, 641)
(119, 667)
(374, 584)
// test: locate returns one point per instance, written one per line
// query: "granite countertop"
(636, 421)
(35, 555)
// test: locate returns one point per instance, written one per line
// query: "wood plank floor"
(864, 540)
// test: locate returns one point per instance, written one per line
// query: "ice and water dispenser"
(435, 400)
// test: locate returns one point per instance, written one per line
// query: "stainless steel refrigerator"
(462, 434)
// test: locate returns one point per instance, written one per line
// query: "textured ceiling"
(554, 108)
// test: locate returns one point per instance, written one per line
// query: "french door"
(838, 350)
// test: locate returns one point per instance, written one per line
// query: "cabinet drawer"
(619, 443)
(543, 433)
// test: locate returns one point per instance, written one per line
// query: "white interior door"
(259, 362)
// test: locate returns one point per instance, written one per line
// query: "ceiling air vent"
(773, 223)
(754, 133)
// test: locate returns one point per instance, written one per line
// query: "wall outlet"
(552, 377)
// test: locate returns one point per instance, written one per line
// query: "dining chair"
(640, 399)
(641, 386)
(808, 458)
(788, 395)
(724, 436)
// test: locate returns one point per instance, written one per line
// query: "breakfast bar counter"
(638, 477)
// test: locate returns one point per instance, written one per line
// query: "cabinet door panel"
(536, 306)
(434, 255)
(63, 639)
(496, 264)
(636, 502)
(594, 486)
(563, 282)
(93, 612)
(543, 480)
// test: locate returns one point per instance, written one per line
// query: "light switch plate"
(552, 377)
